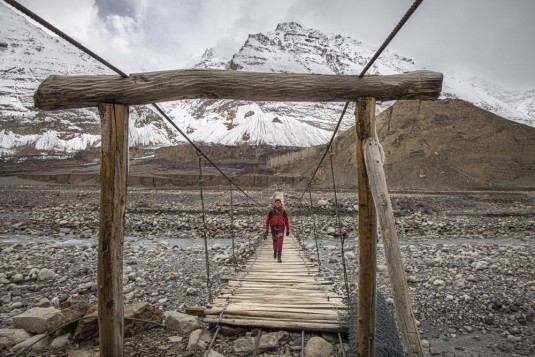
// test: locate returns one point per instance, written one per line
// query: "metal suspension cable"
(325, 153)
(338, 224)
(207, 352)
(394, 32)
(312, 214)
(64, 36)
(84, 49)
(201, 153)
(205, 232)
(232, 228)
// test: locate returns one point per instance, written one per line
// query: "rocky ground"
(469, 259)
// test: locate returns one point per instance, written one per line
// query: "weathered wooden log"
(62, 92)
(398, 282)
(365, 127)
(280, 324)
(113, 174)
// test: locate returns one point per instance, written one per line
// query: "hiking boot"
(279, 260)
(274, 255)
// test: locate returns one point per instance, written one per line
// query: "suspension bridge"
(252, 296)
(289, 296)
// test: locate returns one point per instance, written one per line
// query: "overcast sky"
(491, 39)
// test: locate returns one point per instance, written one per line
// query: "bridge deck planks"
(275, 295)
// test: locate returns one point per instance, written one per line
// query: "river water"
(227, 242)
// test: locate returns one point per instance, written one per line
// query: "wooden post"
(113, 174)
(400, 290)
(365, 126)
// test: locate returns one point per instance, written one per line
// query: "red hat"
(278, 200)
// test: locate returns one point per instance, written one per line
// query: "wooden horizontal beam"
(63, 92)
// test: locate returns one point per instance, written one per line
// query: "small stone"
(46, 274)
(471, 278)
(438, 282)
(425, 344)
(382, 268)
(512, 338)
(15, 305)
(175, 338)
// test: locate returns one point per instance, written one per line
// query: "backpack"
(277, 219)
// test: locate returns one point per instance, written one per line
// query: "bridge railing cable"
(84, 49)
(205, 232)
(339, 224)
(394, 32)
(313, 215)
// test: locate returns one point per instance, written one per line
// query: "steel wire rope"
(232, 232)
(240, 283)
(339, 226)
(205, 232)
(394, 32)
(84, 49)
(315, 276)
(313, 215)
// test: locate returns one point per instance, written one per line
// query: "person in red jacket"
(277, 220)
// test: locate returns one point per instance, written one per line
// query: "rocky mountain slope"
(28, 55)
(441, 145)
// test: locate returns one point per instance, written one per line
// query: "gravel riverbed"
(469, 260)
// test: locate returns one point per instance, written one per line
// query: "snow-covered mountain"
(28, 55)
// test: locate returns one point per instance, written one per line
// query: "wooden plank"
(232, 313)
(63, 92)
(320, 305)
(279, 296)
(326, 310)
(195, 310)
(113, 175)
(365, 126)
(283, 325)
(396, 272)
(253, 299)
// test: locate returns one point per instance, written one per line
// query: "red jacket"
(284, 214)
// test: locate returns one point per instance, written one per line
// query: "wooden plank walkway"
(284, 296)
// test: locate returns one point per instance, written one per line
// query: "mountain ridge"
(29, 55)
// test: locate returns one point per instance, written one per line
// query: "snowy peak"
(210, 60)
(288, 27)
(296, 49)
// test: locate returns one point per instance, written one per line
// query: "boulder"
(138, 311)
(36, 346)
(38, 319)
(180, 322)
(213, 353)
(268, 342)
(60, 341)
(199, 340)
(318, 347)
(11, 337)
